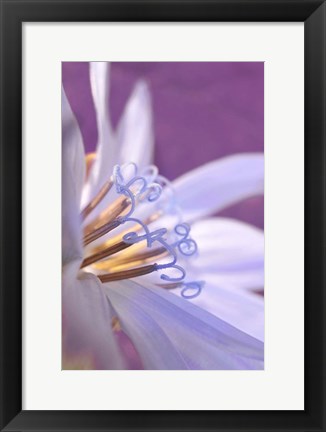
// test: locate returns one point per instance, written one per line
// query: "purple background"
(201, 112)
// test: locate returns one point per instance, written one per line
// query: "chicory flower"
(128, 255)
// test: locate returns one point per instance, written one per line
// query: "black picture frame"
(13, 14)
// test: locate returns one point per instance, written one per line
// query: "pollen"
(115, 324)
(90, 159)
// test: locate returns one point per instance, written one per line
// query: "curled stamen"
(150, 172)
(117, 171)
(154, 188)
(129, 194)
(166, 184)
(168, 202)
(133, 237)
(185, 245)
(123, 189)
(141, 187)
(169, 278)
(195, 289)
(134, 188)
(145, 190)
(150, 238)
(152, 193)
(182, 230)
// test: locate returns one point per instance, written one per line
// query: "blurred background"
(201, 112)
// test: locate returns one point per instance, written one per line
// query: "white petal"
(87, 316)
(150, 341)
(218, 184)
(202, 340)
(243, 310)
(72, 146)
(230, 251)
(106, 156)
(73, 171)
(135, 131)
(99, 79)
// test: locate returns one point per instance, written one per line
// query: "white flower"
(99, 294)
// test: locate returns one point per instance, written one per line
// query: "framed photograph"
(162, 219)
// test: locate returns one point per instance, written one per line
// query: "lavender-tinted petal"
(135, 138)
(219, 184)
(151, 342)
(231, 251)
(88, 339)
(241, 309)
(106, 152)
(73, 171)
(202, 340)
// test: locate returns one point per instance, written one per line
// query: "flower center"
(123, 239)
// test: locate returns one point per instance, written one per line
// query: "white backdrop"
(281, 385)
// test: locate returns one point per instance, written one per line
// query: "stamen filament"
(126, 262)
(127, 274)
(89, 160)
(101, 231)
(170, 285)
(104, 254)
(128, 253)
(135, 228)
(109, 215)
(140, 257)
(97, 199)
